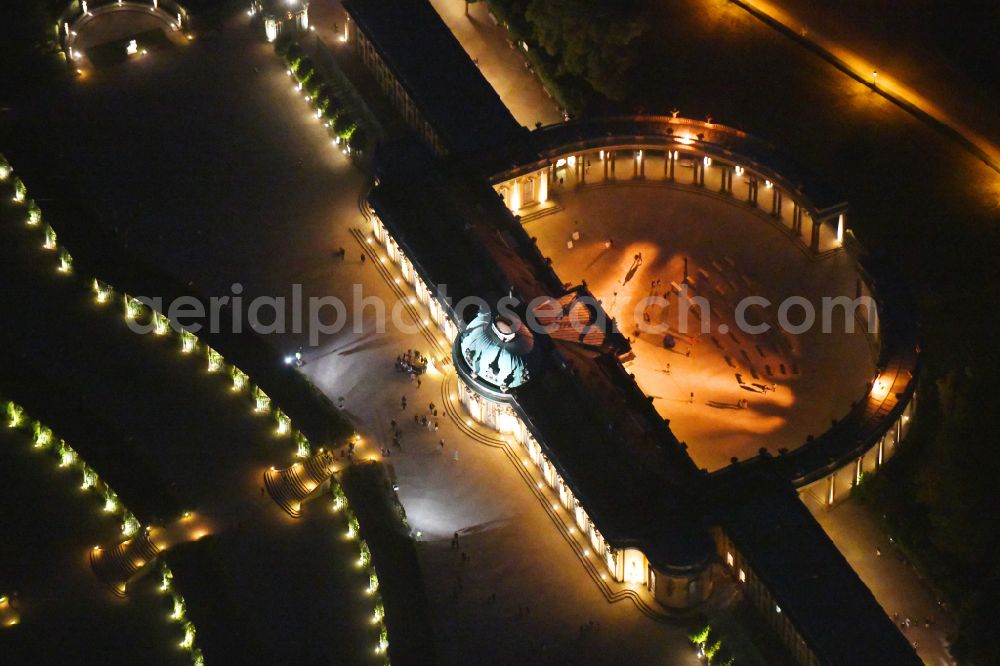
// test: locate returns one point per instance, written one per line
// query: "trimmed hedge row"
(340, 122)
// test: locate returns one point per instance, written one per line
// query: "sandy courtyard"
(726, 389)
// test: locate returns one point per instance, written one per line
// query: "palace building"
(540, 360)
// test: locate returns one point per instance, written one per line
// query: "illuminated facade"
(447, 209)
(280, 16)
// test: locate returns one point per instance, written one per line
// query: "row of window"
(394, 91)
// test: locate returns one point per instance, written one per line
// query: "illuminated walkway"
(931, 95)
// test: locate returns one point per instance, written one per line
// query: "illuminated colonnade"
(81, 12)
(834, 485)
(682, 161)
(502, 418)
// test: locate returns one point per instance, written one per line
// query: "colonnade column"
(605, 159)
(611, 154)
(642, 164)
(636, 158)
(796, 219)
(752, 192)
(581, 160)
(814, 240)
(727, 179)
(776, 202)
(831, 483)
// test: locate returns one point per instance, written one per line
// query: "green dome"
(497, 350)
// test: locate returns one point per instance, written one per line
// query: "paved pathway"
(504, 67)
(894, 582)
(904, 67)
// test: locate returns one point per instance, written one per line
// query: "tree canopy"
(589, 39)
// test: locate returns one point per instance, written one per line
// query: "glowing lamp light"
(132, 48)
(880, 388)
(34, 215)
(101, 294)
(50, 239)
(188, 641)
(20, 191)
(768, 184)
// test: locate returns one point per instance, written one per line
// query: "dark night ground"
(287, 581)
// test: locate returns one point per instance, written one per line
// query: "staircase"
(117, 565)
(289, 487)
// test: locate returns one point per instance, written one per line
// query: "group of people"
(428, 421)
(412, 363)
